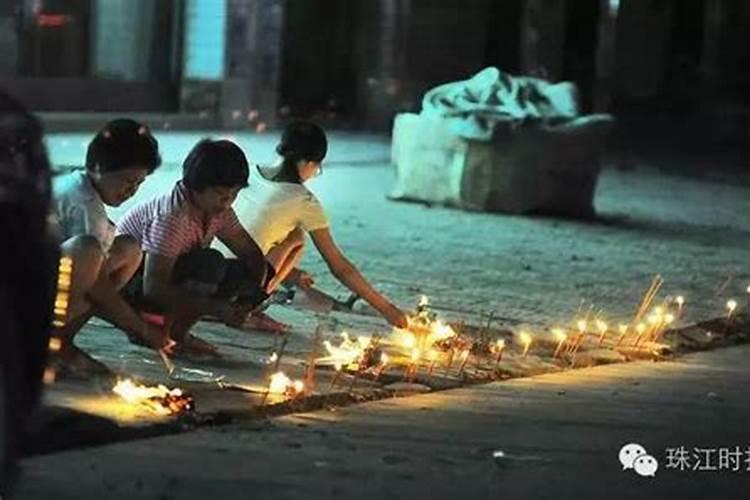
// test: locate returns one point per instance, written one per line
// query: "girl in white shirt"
(118, 160)
(279, 210)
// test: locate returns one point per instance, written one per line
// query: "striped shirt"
(170, 226)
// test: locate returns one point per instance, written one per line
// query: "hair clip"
(106, 134)
(143, 130)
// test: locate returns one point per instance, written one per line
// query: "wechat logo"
(634, 456)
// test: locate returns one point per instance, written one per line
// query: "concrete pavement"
(560, 433)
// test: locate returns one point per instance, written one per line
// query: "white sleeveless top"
(270, 210)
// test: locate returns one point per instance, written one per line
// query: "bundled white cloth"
(491, 99)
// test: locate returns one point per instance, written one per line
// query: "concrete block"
(523, 169)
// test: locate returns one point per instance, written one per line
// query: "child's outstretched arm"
(350, 276)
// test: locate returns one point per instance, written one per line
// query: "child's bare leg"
(87, 256)
(285, 256)
(180, 323)
(124, 259)
(88, 259)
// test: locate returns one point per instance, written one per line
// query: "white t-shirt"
(270, 210)
(79, 209)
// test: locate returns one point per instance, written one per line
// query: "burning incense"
(640, 330)
(335, 377)
(499, 348)
(413, 367)
(383, 363)
(576, 339)
(526, 340)
(602, 326)
(648, 297)
(623, 329)
(276, 360)
(167, 362)
(433, 358)
(464, 360)
(561, 338)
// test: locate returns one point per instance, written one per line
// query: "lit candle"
(55, 344)
(433, 357)
(561, 337)
(411, 369)
(526, 341)
(602, 326)
(383, 363)
(680, 302)
(640, 329)
(623, 328)
(731, 306)
(499, 348)
(336, 376)
(464, 361)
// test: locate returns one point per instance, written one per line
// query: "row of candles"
(421, 340)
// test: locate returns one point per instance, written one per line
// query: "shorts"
(206, 272)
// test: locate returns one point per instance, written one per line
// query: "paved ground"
(691, 229)
(561, 433)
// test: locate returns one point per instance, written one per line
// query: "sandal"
(265, 323)
(192, 346)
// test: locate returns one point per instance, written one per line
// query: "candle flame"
(601, 325)
(159, 399)
(348, 353)
(731, 305)
(623, 328)
(680, 300)
(281, 384)
(55, 344)
(582, 326)
(559, 334)
(525, 337)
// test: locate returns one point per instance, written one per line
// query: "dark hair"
(121, 144)
(301, 140)
(215, 163)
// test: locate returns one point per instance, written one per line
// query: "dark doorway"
(581, 27)
(504, 35)
(318, 77)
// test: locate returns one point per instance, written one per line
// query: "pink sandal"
(263, 322)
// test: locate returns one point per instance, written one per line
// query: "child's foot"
(192, 346)
(263, 322)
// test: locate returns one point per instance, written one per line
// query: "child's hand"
(396, 316)
(158, 338)
(304, 279)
